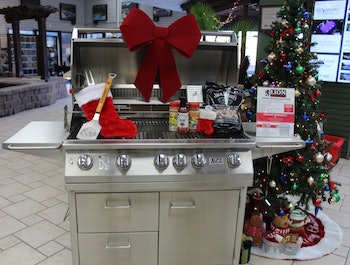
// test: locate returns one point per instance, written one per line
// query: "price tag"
(275, 112)
(194, 93)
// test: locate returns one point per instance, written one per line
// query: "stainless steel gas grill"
(162, 198)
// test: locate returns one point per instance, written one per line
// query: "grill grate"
(159, 129)
(149, 128)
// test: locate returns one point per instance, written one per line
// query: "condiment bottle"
(173, 112)
(193, 116)
(183, 117)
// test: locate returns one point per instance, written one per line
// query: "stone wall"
(34, 94)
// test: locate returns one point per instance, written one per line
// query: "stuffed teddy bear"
(297, 221)
(255, 228)
(280, 229)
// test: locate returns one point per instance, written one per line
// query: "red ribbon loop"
(139, 30)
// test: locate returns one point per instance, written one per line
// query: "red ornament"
(312, 96)
(286, 32)
(299, 158)
(283, 56)
(257, 196)
(261, 73)
(323, 116)
(317, 202)
(332, 185)
(288, 160)
(318, 93)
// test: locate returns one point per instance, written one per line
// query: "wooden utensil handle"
(103, 98)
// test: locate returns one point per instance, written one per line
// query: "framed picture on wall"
(99, 12)
(161, 12)
(68, 12)
(124, 8)
(268, 15)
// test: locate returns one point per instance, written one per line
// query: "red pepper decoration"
(139, 30)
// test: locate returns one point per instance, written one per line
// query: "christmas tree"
(301, 177)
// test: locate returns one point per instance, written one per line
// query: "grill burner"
(158, 128)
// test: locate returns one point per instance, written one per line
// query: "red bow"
(139, 30)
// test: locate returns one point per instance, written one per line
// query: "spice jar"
(193, 116)
(173, 112)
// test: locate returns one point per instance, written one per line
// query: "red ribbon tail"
(169, 78)
(148, 70)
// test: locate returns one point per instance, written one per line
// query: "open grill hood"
(214, 60)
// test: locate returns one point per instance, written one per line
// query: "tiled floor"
(33, 203)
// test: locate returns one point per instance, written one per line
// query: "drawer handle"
(179, 206)
(109, 205)
(109, 246)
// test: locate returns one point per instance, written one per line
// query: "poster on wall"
(331, 34)
(275, 112)
(124, 8)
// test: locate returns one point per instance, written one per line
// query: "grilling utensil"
(90, 130)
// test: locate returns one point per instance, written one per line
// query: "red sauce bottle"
(183, 117)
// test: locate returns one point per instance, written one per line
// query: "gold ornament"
(271, 57)
(299, 50)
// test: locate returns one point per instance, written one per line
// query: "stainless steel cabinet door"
(118, 248)
(117, 212)
(197, 228)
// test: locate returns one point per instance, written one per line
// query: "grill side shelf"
(40, 138)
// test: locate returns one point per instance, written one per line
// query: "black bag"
(226, 101)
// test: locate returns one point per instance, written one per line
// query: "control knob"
(123, 162)
(180, 161)
(85, 162)
(198, 160)
(234, 160)
(161, 161)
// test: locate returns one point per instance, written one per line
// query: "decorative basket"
(290, 249)
(335, 148)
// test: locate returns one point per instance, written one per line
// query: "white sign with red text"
(275, 112)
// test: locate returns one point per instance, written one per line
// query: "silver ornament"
(319, 158)
(328, 157)
(311, 81)
(310, 180)
(272, 184)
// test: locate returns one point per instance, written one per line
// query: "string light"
(230, 16)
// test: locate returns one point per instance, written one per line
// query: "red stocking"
(205, 122)
(112, 125)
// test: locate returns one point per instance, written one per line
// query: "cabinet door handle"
(109, 246)
(183, 206)
(109, 204)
